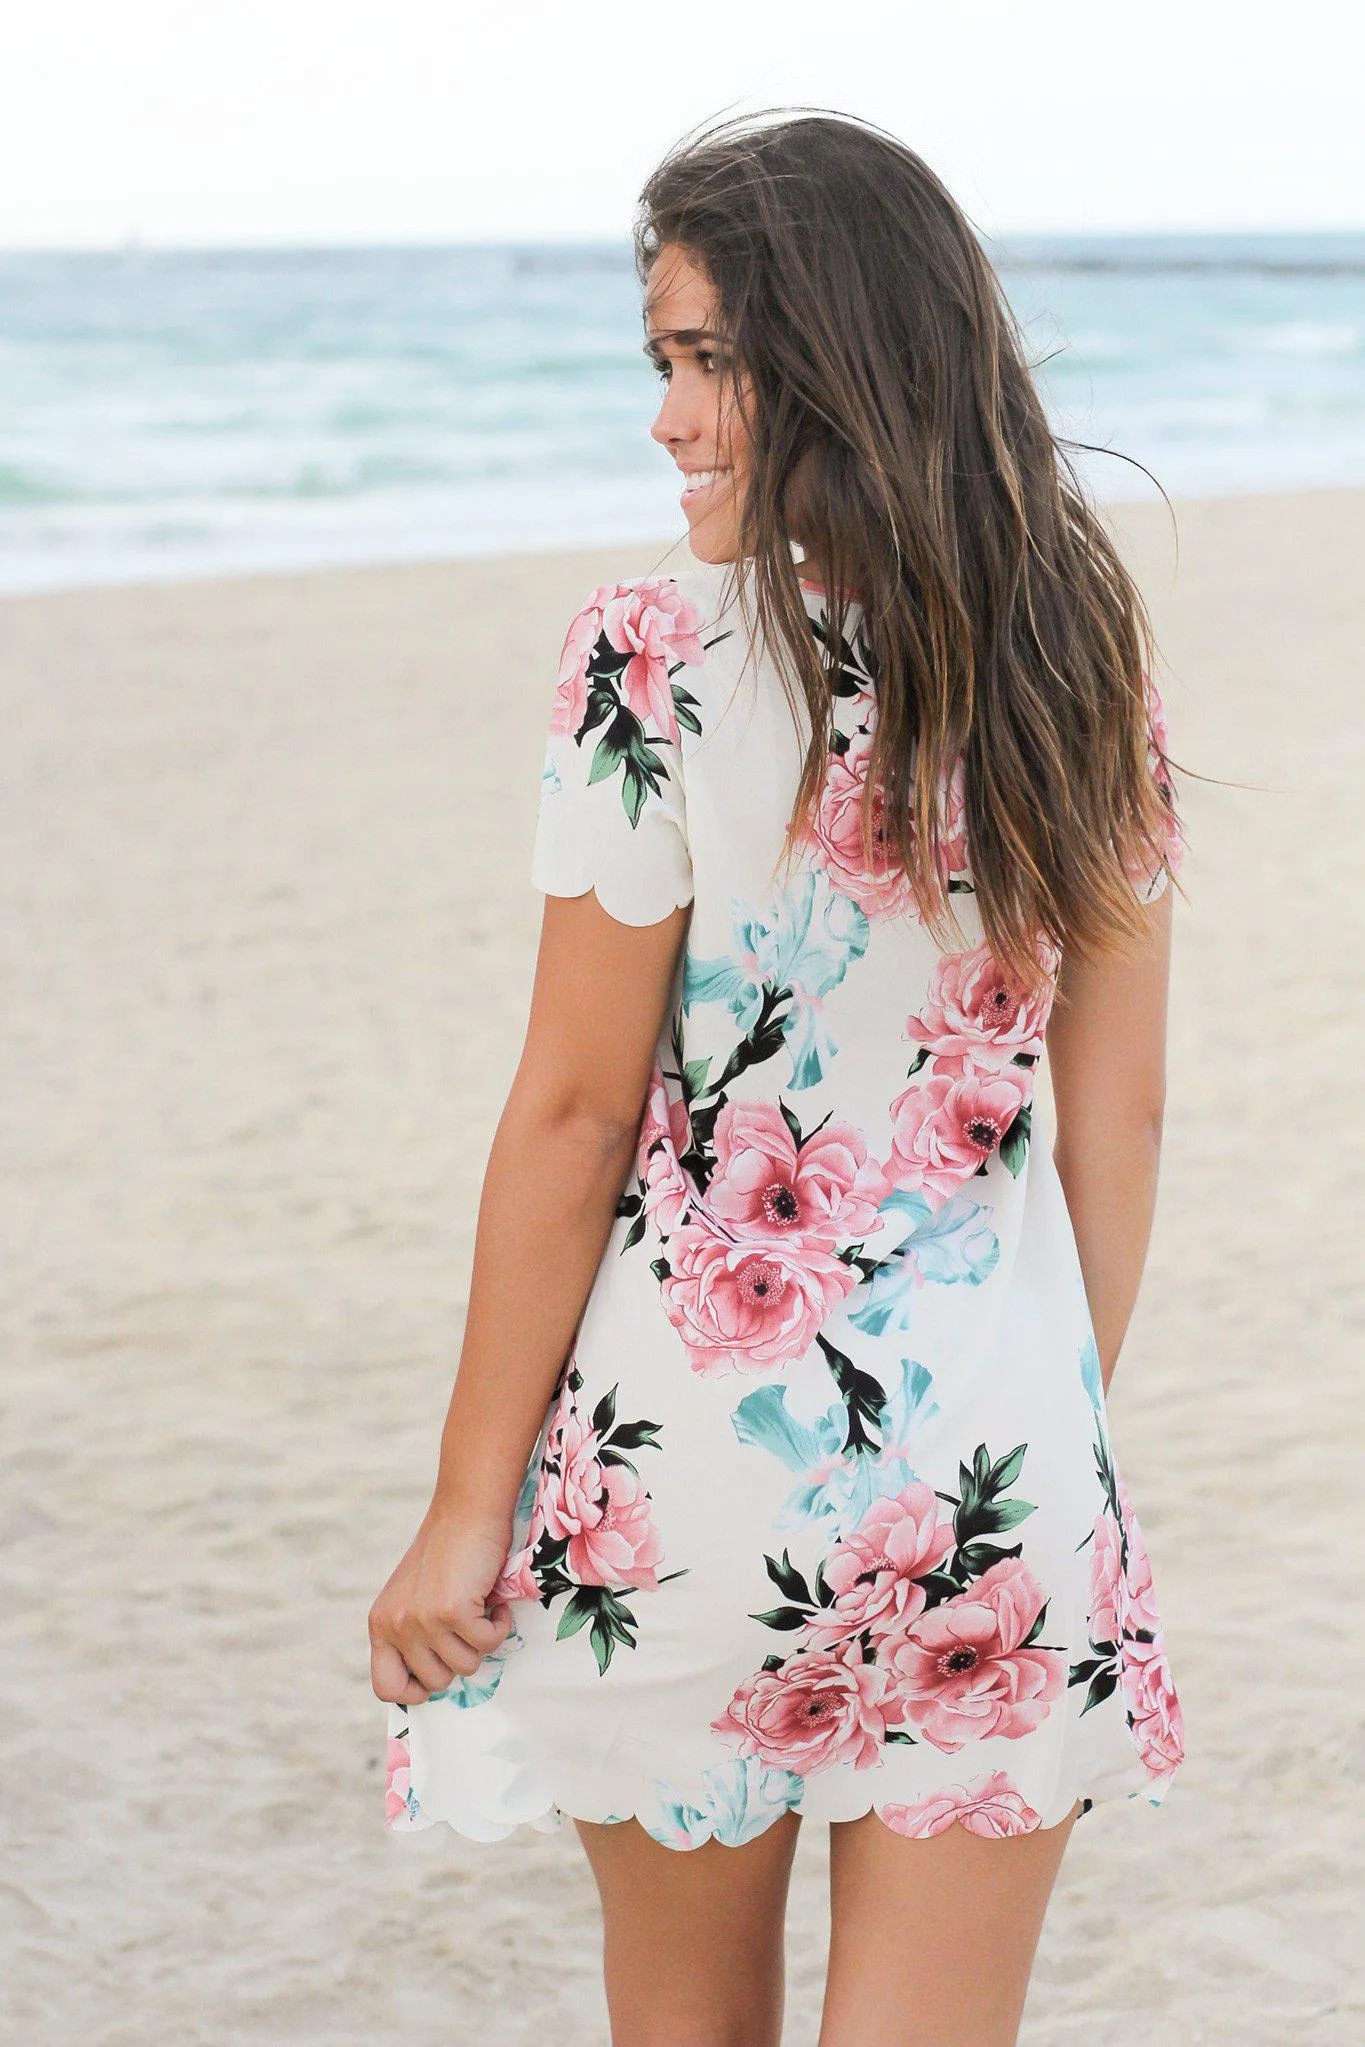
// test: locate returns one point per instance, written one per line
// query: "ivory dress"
(824, 1515)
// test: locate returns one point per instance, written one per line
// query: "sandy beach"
(267, 947)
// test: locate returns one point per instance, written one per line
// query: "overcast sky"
(194, 122)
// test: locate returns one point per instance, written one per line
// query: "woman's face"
(699, 421)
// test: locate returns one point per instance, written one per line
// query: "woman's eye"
(707, 360)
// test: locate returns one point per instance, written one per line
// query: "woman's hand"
(433, 1621)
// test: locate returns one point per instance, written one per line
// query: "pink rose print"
(990, 1807)
(964, 1671)
(664, 1135)
(618, 1544)
(837, 829)
(571, 697)
(815, 1710)
(975, 1018)
(748, 1307)
(1138, 1592)
(825, 1193)
(657, 626)
(1106, 1581)
(516, 1579)
(944, 1128)
(603, 1510)
(399, 1784)
(874, 1574)
(1149, 1692)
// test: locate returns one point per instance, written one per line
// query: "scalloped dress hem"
(407, 1815)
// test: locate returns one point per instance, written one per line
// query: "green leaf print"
(1014, 1143)
(1101, 1685)
(981, 1511)
(788, 1580)
(635, 1436)
(693, 1076)
(784, 1618)
(576, 1614)
(685, 709)
(863, 1396)
(604, 1414)
(1006, 1469)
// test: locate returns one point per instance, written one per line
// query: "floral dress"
(824, 1515)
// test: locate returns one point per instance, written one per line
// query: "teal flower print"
(739, 1801)
(948, 1245)
(794, 949)
(479, 1688)
(842, 1470)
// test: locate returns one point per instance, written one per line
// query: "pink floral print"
(815, 1711)
(1126, 1640)
(602, 1514)
(875, 1574)
(975, 1019)
(650, 622)
(1139, 1607)
(945, 1129)
(398, 1787)
(824, 1193)
(883, 888)
(655, 625)
(748, 1307)
(966, 1669)
(1154, 1710)
(664, 1137)
(570, 705)
(1106, 1580)
(991, 1807)
(948, 1625)
(591, 1532)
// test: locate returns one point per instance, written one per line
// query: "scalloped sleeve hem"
(585, 840)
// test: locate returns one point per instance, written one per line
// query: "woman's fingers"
(462, 1657)
(484, 1632)
(391, 1679)
(416, 1650)
(426, 1666)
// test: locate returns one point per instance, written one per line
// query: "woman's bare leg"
(932, 1941)
(692, 1937)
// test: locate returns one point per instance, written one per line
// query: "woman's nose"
(671, 427)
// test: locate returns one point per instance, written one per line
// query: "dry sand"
(268, 941)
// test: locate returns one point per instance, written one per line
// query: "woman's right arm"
(559, 1161)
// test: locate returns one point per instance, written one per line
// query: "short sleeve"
(1153, 878)
(613, 810)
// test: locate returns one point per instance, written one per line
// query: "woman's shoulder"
(643, 647)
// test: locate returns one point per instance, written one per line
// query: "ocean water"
(170, 414)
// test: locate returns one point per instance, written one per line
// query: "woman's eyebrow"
(686, 337)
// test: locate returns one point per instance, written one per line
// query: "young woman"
(776, 1481)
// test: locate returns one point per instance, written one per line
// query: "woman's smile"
(696, 481)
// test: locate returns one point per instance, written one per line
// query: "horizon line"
(1096, 250)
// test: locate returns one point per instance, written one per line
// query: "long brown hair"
(894, 427)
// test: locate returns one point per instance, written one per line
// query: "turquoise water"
(171, 414)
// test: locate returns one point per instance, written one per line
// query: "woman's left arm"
(1106, 1045)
